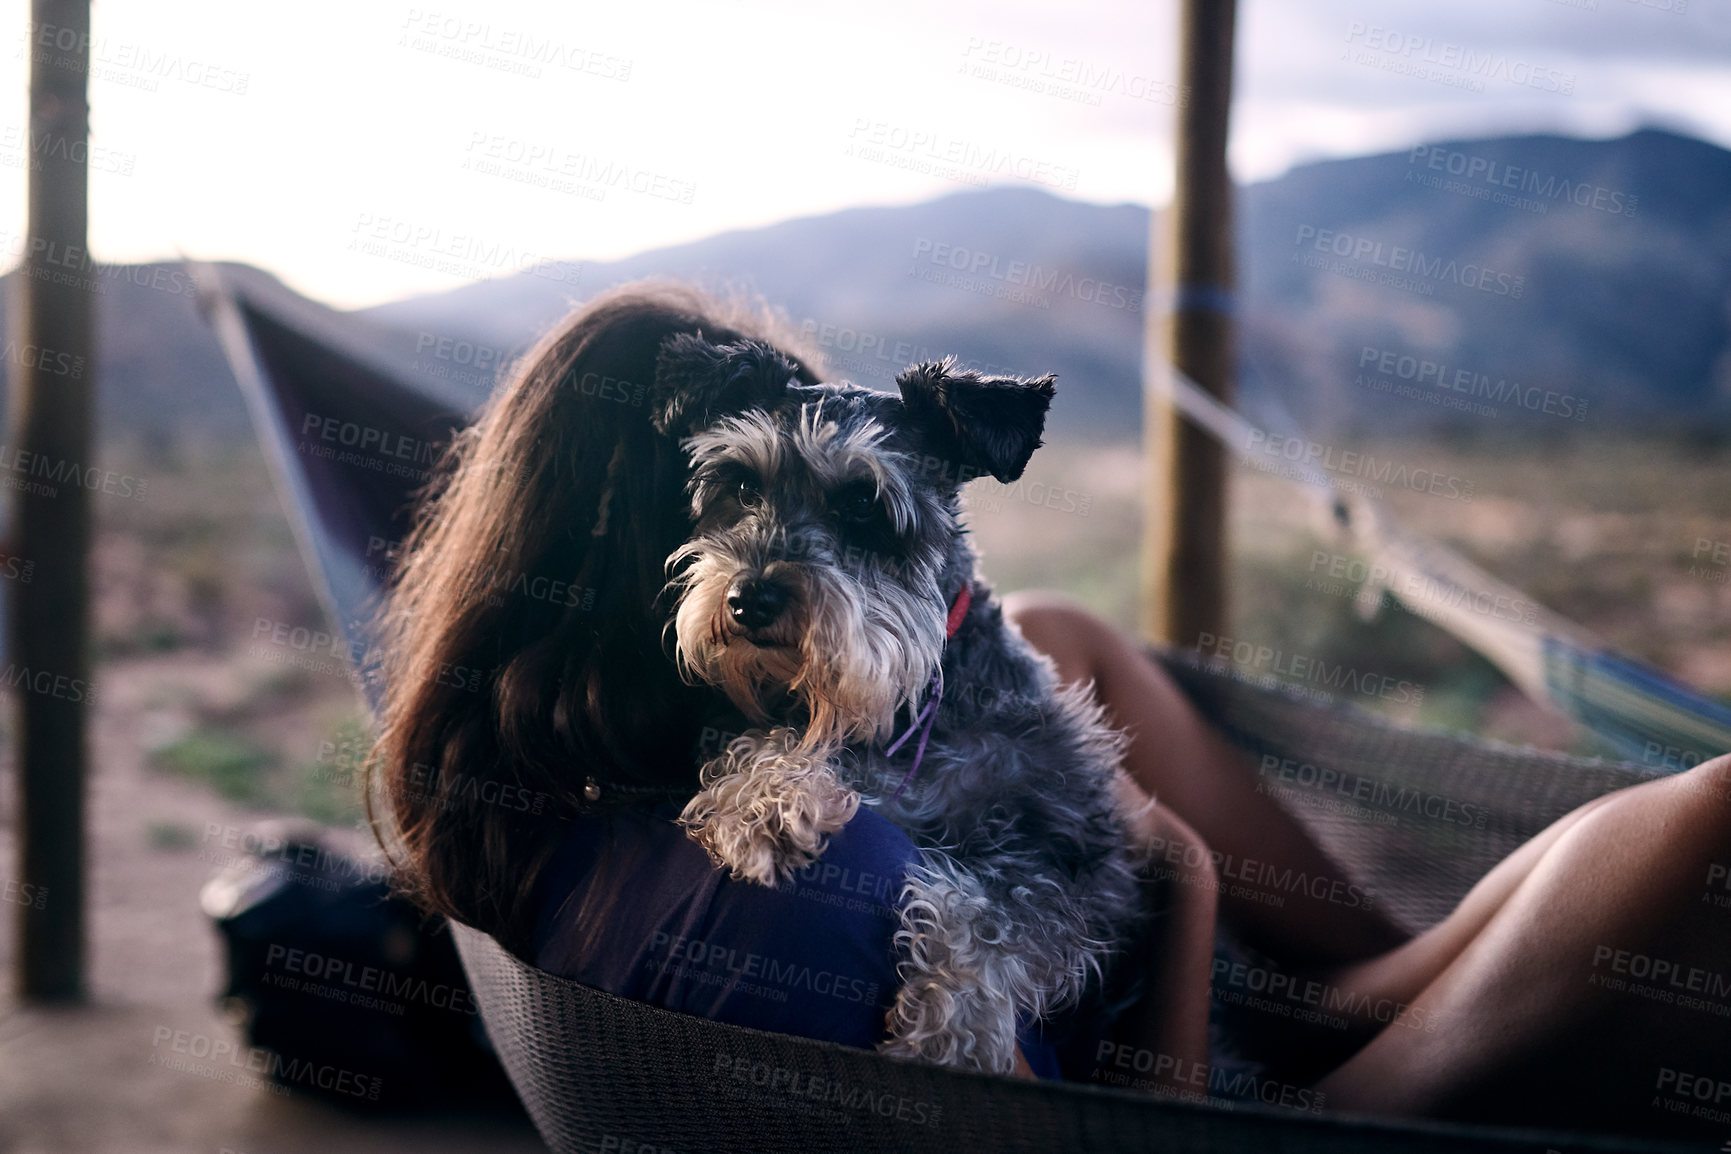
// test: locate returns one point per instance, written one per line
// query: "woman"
(535, 748)
(1528, 981)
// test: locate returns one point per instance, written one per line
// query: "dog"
(829, 589)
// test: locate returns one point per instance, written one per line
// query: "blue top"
(813, 957)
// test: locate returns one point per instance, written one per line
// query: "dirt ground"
(83, 1079)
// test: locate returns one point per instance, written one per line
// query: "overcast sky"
(366, 151)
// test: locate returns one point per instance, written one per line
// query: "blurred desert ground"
(195, 579)
(202, 719)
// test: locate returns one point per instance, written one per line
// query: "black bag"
(345, 991)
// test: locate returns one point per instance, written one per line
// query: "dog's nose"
(756, 602)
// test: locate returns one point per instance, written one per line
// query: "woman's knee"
(1712, 780)
(1660, 832)
(1061, 629)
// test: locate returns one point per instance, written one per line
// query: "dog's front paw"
(961, 980)
(767, 808)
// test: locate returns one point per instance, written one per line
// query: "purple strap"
(923, 723)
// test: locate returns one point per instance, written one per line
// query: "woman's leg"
(1163, 1038)
(1528, 1002)
(1211, 786)
(1589, 984)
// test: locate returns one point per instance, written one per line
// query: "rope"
(1640, 711)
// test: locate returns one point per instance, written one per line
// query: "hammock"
(346, 432)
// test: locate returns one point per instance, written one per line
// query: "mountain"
(1537, 271)
(1529, 281)
(1043, 285)
(159, 368)
(1513, 283)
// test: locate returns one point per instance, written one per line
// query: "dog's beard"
(850, 655)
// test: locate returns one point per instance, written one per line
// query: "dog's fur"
(846, 501)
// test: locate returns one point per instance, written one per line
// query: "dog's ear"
(988, 425)
(697, 383)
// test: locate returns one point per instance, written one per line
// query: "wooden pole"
(51, 422)
(1190, 326)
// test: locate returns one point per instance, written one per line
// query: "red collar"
(929, 712)
(958, 610)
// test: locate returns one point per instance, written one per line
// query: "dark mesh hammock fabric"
(599, 1072)
(348, 429)
(1414, 817)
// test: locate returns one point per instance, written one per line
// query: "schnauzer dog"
(830, 589)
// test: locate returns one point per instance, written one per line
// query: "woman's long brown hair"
(522, 636)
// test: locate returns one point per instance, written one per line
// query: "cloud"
(593, 131)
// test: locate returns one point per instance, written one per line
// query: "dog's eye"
(856, 502)
(747, 493)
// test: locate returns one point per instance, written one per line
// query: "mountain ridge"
(1461, 282)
